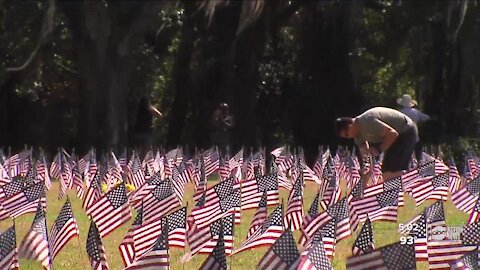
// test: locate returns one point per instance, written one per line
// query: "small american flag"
(203, 240)
(220, 200)
(157, 256)
(466, 197)
(35, 244)
(442, 253)
(315, 256)
(469, 261)
(327, 234)
(364, 242)
(455, 179)
(111, 210)
(64, 229)
(11, 188)
(394, 256)
(475, 214)
(179, 183)
(260, 215)
(127, 247)
(95, 249)
(294, 213)
(265, 235)
(331, 188)
(390, 184)
(42, 172)
(282, 255)
(177, 227)
(201, 180)
(434, 188)
(93, 192)
(312, 211)
(8, 250)
(136, 175)
(25, 201)
(159, 201)
(381, 207)
(217, 259)
(471, 235)
(253, 189)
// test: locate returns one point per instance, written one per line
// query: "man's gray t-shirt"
(371, 128)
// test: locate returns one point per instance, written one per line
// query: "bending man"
(382, 130)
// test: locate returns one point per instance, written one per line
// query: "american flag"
(95, 249)
(312, 211)
(135, 175)
(331, 188)
(157, 257)
(471, 164)
(35, 244)
(390, 184)
(315, 257)
(93, 192)
(475, 214)
(294, 214)
(469, 261)
(203, 240)
(8, 250)
(201, 180)
(77, 182)
(217, 259)
(278, 152)
(282, 255)
(159, 201)
(442, 253)
(91, 167)
(434, 188)
(455, 180)
(420, 227)
(177, 227)
(381, 207)
(211, 159)
(466, 197)
(224, 167)
(364, 242)
(42, 172)
(25, 201)
(265, 235)
(393, 256)
(220, 200)
(253, 189)
(471, 235)
(179, 183)
(64, 229)
(137, 196)
(237, 160)
(127, 247)
(309, 230)
(11, 188)
(260, 216)
(111, 210)
(327, 233)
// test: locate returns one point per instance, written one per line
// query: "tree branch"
(47, 28)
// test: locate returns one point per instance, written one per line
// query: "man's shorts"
(397, 157)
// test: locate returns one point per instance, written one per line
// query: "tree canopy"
(73, 72)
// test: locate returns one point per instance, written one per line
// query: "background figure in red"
(220, 124)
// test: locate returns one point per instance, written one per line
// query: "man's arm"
(389, 135)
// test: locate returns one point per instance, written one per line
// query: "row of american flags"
(154, 186)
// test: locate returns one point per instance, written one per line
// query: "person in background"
(408, 107)
(220, 124)
(380, 130)
(143, 129)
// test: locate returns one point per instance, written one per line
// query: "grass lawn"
(74, 257)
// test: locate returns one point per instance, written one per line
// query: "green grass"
(74, 256)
